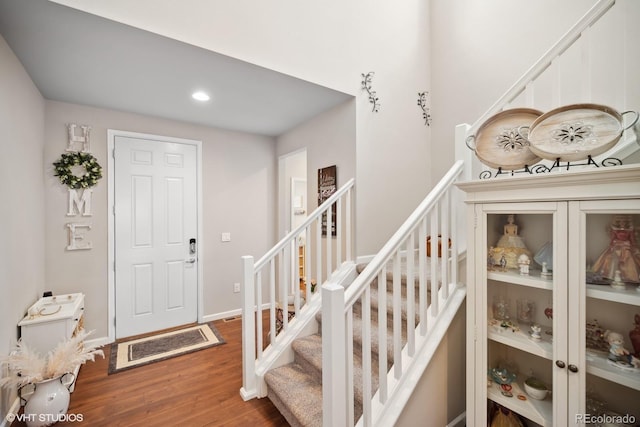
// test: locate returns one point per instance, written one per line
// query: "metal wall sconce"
(366, 85)
(422, 103)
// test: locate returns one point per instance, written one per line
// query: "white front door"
(156, 226)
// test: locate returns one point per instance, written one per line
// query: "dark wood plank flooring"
(197, 389)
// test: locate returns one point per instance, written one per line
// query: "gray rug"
(142, 351)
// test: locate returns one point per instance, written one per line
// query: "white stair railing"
(272, 283)
(438, 293)
(589, 63)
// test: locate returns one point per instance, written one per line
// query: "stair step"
(296, 394)
(308, 354)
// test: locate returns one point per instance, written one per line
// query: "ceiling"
(76, 57)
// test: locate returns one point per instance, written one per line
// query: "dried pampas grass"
(27, 366)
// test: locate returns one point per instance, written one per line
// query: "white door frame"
(111, 136)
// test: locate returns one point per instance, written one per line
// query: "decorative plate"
(499, 143)
(575, 132)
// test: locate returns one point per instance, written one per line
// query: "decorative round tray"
(575, 132)
(499, 143)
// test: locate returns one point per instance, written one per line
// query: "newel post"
(334, 361)
(464, 152)
(247, 295)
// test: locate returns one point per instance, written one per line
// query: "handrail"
(431, 302)
(310, 219)
(367, 275)
(599, 9)
(277, 284)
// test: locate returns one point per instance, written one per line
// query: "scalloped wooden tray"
(499, 143)
(575, 132)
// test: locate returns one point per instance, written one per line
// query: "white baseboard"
(99, 342)
(221, 315)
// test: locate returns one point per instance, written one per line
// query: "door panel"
(155, 217)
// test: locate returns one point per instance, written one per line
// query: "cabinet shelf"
(538, 411)
(598, 365)
(604, 292)
(520, 340)
(512, 276)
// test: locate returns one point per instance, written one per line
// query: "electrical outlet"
(236, 287)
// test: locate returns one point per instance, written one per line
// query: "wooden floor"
(197, 389)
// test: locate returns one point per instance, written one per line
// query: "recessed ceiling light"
(200, 96)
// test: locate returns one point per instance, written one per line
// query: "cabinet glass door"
(608, 277)
(524, 316)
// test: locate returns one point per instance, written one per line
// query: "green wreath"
(87, 161)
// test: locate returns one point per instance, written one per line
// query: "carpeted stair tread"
(296, 394)
(308, 354)
(375, 336)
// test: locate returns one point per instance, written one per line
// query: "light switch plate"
(225, 237)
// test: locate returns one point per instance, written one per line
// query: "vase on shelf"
(48, 404)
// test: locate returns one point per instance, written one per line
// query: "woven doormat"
(142, 351)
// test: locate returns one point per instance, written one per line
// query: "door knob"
(573, 368)
(560, 364)
(190, 261)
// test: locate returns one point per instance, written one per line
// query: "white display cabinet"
(570, 213)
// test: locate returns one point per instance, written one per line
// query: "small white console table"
(51, 320)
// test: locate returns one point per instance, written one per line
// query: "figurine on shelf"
(503, 263)
(490, 261)
(535, 332)
(617, 353)
(617, 282)
(622, 254)
(523, 264)
(510, 245)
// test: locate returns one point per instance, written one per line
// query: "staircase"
(357, 379)
(296, 388)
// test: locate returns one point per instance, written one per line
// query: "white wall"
(479, 49)
(329, 139)
(330, 43)
(239, 184)
(22, 227)
(439, 397)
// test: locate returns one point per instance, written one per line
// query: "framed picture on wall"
(327, 185)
